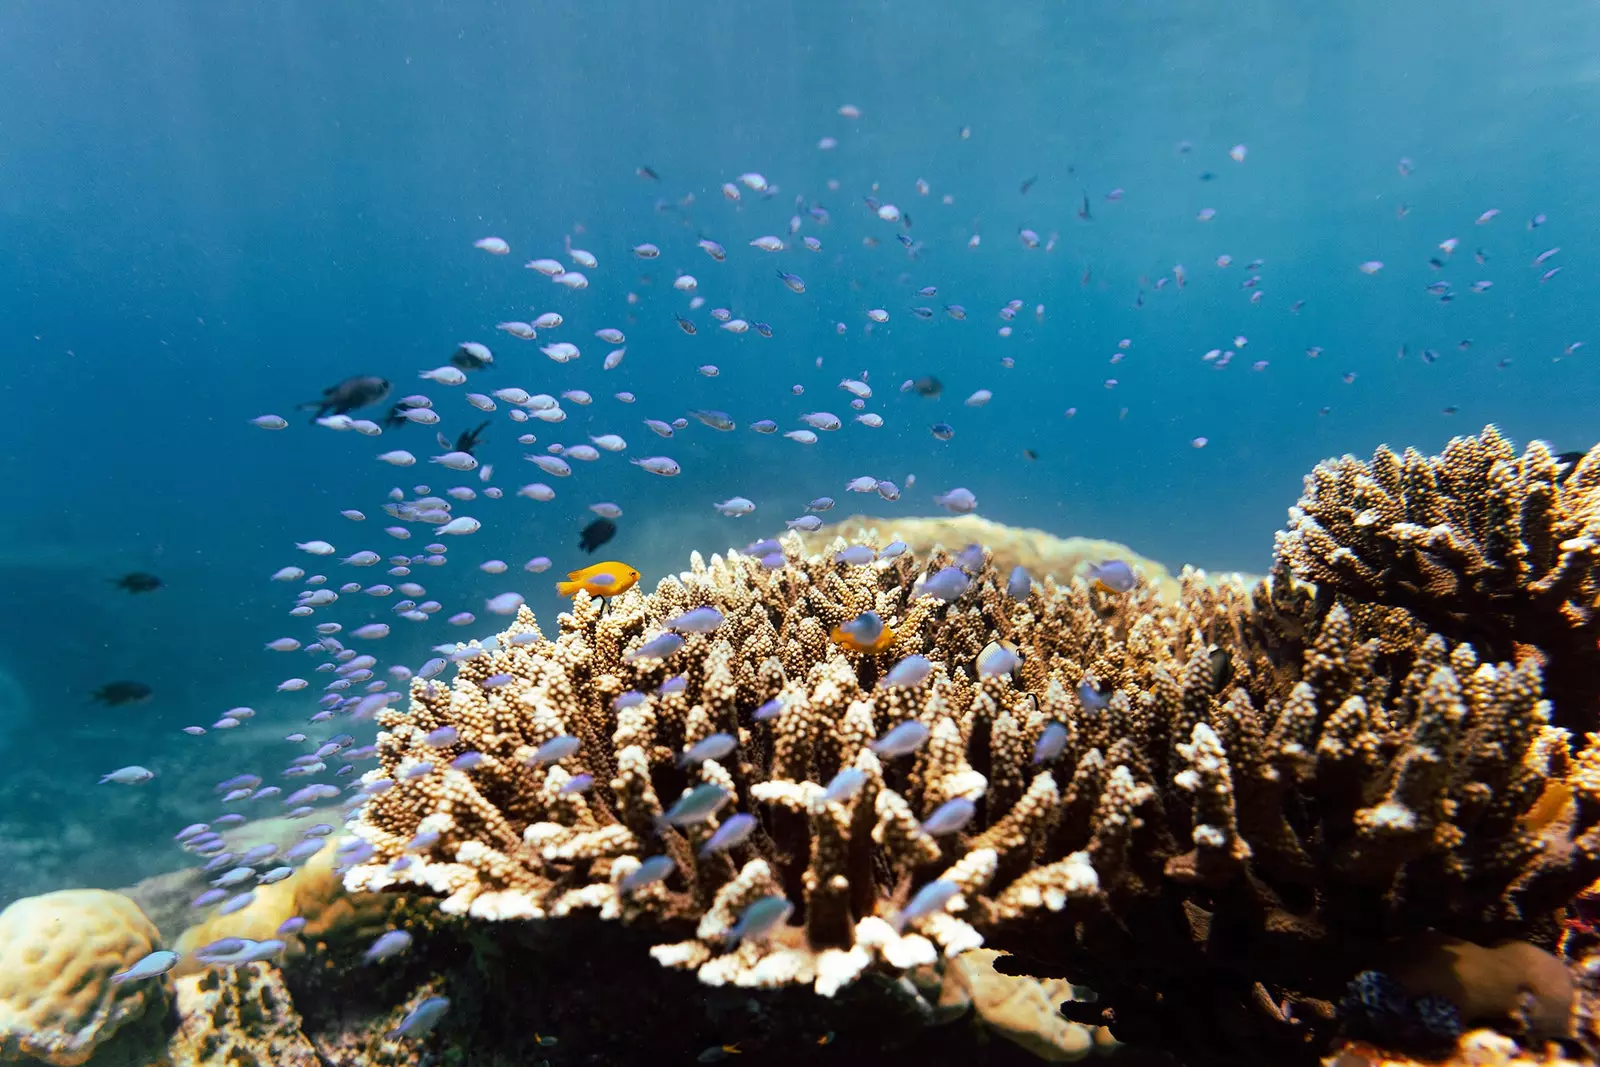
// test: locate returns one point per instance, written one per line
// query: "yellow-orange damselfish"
(864, 633)
(601, 579)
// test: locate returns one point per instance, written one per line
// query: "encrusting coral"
(58, 952)
(1479, 544)
(1212, 812)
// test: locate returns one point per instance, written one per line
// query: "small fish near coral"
(600, 580)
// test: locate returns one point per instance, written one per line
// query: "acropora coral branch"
(1252, 790)
(1479, 544)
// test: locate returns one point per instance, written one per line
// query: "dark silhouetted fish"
(471, 357)
(596, 534)
(1220, 666)
(466, 440)
(348, 395)
(928, 385)
(116, 693)
(1569, 463)
(136, 582)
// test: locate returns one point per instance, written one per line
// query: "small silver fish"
(556, 749)
(701, 620)
(711, 748)
(421, 1019)
(760, 918)
(734, 831)
(902, 740)
(388, 945)
(151, 966)
(659, 647)
(1051, 743)
(654, 869)
(929, 899)
(697, 805)
(949, 817)
(1114, 575)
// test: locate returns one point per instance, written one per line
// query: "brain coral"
(1242, 796)
(57, 955)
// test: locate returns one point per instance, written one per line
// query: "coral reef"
(1214, 812)
(314, 892)
(1479, 544)
(58, 952)
(1043, 554)
(240, 1016)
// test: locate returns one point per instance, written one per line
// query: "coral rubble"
(58, 952)
(1479, 544)
(1252, 793)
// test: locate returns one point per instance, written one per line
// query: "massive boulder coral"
(1042, 553)
(58, 952)
(1212, 812)
(1479, 544)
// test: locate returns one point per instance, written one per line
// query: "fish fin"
(568, 588)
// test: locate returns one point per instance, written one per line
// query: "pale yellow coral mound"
(58, 952)
(1042, 554)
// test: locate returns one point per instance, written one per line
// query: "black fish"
(1030, 453)
(1083, 209)
(647, 173)
(348, 395)
(136, 582)
(1206, 175)
(394, 420)
(1028, 183)
(928, 385)
(596, 534)
(466, 440)
(115, 693)
(465, 360)
(1220, 667)
(1569, 463)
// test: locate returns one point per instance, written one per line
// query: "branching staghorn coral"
(1479, 544)
(1253, 791)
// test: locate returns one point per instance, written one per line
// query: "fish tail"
(568, 588)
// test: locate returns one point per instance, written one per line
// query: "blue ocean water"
(211, 212)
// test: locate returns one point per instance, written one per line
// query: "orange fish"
(864, 633)
(600, 579)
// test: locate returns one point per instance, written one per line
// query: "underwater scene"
(612, 533)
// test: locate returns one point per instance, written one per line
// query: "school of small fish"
(869, 271)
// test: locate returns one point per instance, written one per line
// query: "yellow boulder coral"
(57, 955)
(1041, 553)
